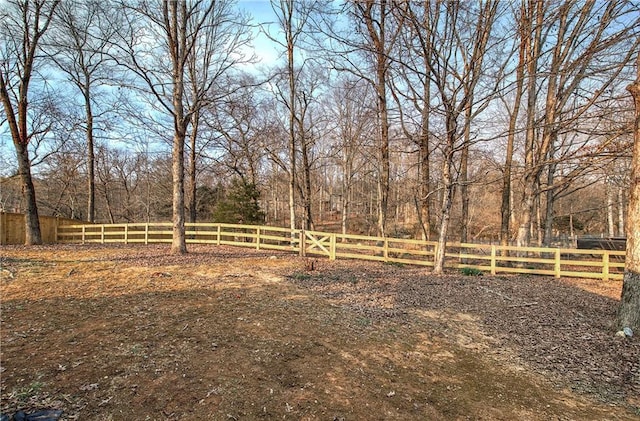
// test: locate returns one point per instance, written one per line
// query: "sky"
(263, 14)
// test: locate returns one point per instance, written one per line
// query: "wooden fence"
(13, 231)
(494, 259)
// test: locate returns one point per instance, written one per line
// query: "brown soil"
(124, 333)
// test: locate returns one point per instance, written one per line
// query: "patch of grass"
(471, 272)
(25, 393)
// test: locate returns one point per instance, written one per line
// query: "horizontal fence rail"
(494, 259)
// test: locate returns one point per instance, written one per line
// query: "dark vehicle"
(606, 243)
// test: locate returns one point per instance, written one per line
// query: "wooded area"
(438, 120)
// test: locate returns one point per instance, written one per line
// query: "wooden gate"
(318, 243)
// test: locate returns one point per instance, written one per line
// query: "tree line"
(441, 119)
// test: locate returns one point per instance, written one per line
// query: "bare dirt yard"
(134, 333)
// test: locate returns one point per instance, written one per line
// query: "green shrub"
(471, 272)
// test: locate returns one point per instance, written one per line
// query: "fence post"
(605, 266)
(84, 228)
(218, 231)
(126, 233)
(332, 247)
(258, 238)
(557, 267)
(146, 233)
(102, 234)
(385, 249)
(55, 230)
(493, 259)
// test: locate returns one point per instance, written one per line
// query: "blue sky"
(262, 13)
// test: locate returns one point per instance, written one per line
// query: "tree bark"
(620, 212)
(377, 35)
(177, 32)
(464, 172)
(549, 207)
(505, 208)
(192, 172)
(287, 10)
(91, 157)
(425, 174)
(449, 189)
(33, 234)
(609, 193)
(629, 310)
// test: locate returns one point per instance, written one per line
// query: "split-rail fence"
(472, 258)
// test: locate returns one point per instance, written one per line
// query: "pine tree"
(240, 206)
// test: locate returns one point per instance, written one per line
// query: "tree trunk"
(377, 34)
(383, 157)
(610, 224)
(532, 53)
(425, 183)
(447, 201)
(91, 159)
(345, 199)
(464, 172)
(32, 222)
(505, 208)
(629, 310)
(195, 117)
(620, 212)
(288, 12)
(548, 219)
(177, 49)
(448, 191)
(306, 165)
(179, 244)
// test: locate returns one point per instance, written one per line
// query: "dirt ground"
(124, 333)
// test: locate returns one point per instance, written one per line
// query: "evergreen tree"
(240, 206)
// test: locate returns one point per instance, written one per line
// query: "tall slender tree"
(77, 44)
(24, 22)
(171, 34)
(217, 52)
(461, 33)
(374, 17)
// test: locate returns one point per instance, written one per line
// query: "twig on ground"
(534, 303)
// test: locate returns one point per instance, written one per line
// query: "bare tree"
(240, 130)
(461, 34)
(629, 310)
(524, 31)
(349, 108)
(373, 18)
(575, 57)
(77, 44)
(174, 29)
(23, 24)
(217, 52)
(292, 18)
